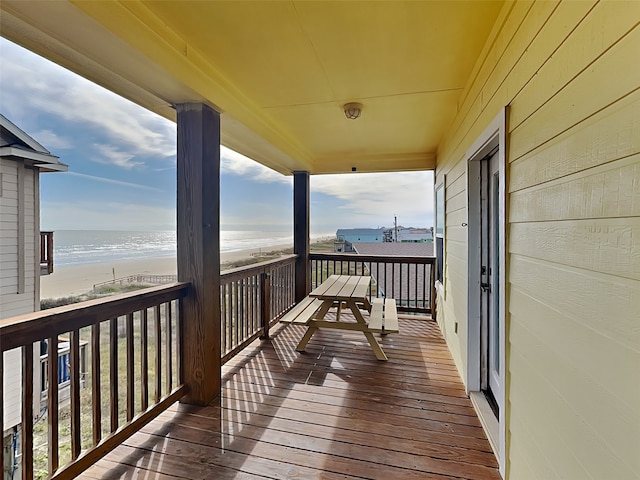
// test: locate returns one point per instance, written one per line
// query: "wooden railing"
(252, 299)
(409, 280)
(46, 253)
(139, 279)
(134, 349)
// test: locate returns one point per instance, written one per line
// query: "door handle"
(486, 287)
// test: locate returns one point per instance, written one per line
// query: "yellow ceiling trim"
(376, 163)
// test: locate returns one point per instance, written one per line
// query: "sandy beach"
(77, 279)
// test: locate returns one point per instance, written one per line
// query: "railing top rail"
(351, 257)
(255, 268)
(32, 327)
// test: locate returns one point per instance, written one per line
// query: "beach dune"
(69, 280)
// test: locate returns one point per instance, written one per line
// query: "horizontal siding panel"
(576, 101)
(610, 190)
(585, 443)
(16, 304)
(609, 245)
(519, 62)
(10, 210)
(457, 202)
(9, 275)
(532, 462)
(596, 359)
(457, 250)
(456, 218)
(7, 289)
(457, 174)
(555, 440)
(7, 202)
(470, 107)
(457, 233)
(8, 247)
(570, 290)
(612, 134)
(586, 46)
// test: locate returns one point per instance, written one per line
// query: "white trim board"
(493, 136)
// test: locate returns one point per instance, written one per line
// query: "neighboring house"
(345, 237)
(414, 235)
(22, 247)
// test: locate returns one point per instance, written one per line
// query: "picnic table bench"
(340, 292)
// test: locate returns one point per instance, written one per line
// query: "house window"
(439, 233)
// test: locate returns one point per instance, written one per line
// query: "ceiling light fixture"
(352, 110)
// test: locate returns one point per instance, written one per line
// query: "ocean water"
(72, 247)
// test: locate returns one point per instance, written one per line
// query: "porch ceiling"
(278, 71)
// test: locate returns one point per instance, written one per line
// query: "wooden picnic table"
(340, 292)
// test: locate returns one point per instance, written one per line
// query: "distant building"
(345, 237)
(414, 235)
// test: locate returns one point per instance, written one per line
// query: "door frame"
(493, 136)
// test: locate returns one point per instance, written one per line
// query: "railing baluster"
(27, 412)
(76, 441)
(130, 367)
(223, 318)
(113, 372)
(265, 296)
(169, 351)
(96, 393)
(52, 404)
(179, 349)
(236, 318)
(158, 325)
(144, 359)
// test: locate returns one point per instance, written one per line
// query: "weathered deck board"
(332, 412)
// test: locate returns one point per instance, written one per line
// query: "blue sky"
(122, 172)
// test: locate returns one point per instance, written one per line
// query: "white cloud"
(381, 196)
(237, 164)
(30, 82)
(112, 155)
(52, 141)
(113, 181)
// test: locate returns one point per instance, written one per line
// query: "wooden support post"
(198, 209)
(265, 304)
(301, 232)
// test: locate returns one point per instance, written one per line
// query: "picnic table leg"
(375, 346)
(307, 336)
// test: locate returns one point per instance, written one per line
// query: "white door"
(490, 279)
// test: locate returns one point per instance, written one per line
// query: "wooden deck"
(332, 412)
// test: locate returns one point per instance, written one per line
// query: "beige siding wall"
(12, 300)
(570, 73)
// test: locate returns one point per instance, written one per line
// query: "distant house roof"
(360, 231)
(16, 144)
(394, 248)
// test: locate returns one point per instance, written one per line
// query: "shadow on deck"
(332, 412)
